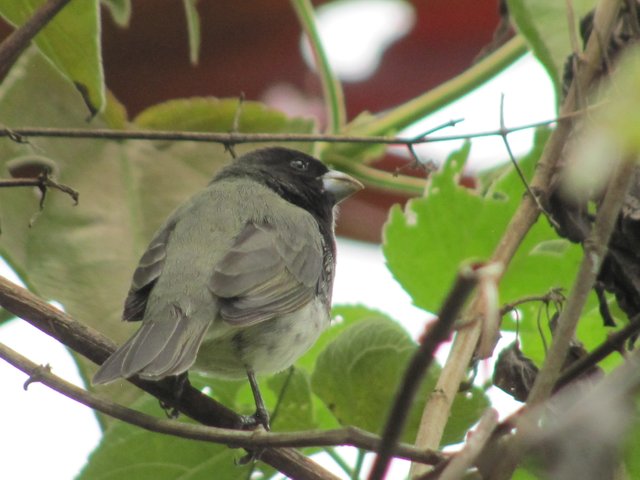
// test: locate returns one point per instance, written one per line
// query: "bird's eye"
(300, 165)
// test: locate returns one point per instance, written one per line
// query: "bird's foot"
(257, 420)
(178, 385)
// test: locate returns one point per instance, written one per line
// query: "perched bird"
(238, 280)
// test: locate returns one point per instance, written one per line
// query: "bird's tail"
(160, 348)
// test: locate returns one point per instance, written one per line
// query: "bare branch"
(614, 343)
(456, 468)
(514, 162)
(464, 345)
(418, 366)
(595, 250)
(552, 296)
(234, 438)
(22, 133)
(43, 181)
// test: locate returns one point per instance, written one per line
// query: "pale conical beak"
(340, 185)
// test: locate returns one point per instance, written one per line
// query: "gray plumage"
(229, 280)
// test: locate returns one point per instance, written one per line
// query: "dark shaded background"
(248, 47)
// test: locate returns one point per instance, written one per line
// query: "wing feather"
(269, 271)
(146, 274)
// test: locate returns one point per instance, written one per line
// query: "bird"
(238, 280)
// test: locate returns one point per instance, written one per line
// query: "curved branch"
(418, 366)
(346, 436)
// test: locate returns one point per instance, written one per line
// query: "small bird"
(238, 280)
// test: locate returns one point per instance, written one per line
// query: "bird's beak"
(340, 185)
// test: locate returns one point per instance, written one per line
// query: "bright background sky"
(46, 435)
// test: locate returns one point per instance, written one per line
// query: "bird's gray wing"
(146, 274)
(269, 271)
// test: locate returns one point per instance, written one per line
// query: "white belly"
(266, 347)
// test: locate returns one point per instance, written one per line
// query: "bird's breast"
(266, 347)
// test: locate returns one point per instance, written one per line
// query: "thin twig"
(613, 343)
(620, 382)
(515, 164)
(419, 365)
(437, 409)
(459, 463)
(20, 134)
(235, 438)
(41, 182)
(595, 247)
(573, 372)
(553, 296)
(19, 39)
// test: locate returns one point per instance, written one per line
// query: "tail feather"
(157, 350)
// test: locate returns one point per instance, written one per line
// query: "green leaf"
(127, 451)
(292, 390)
(358, 373)
(84, 256)
(545, 25)
(120, 11)
(71, 41)
(193, 29)
(425, 245)
(342, 317)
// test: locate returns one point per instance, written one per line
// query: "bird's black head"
(295, 176)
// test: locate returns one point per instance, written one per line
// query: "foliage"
(83, 256)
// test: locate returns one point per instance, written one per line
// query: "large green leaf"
(358, 373)
(292, 390)
(545, 25)
(71, 41)
(84, 256)
(127, 451)
(425, 244)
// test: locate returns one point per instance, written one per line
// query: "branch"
(417, 368)
(42, 181)
(573, 372)
(595, 247)
(612, 344)
(234, 438)
(437, 410)
(193, 403)
(459, 464)
(371, 176)
(12, 46)
(231, 138)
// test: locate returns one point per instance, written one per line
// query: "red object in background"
(248, 47)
